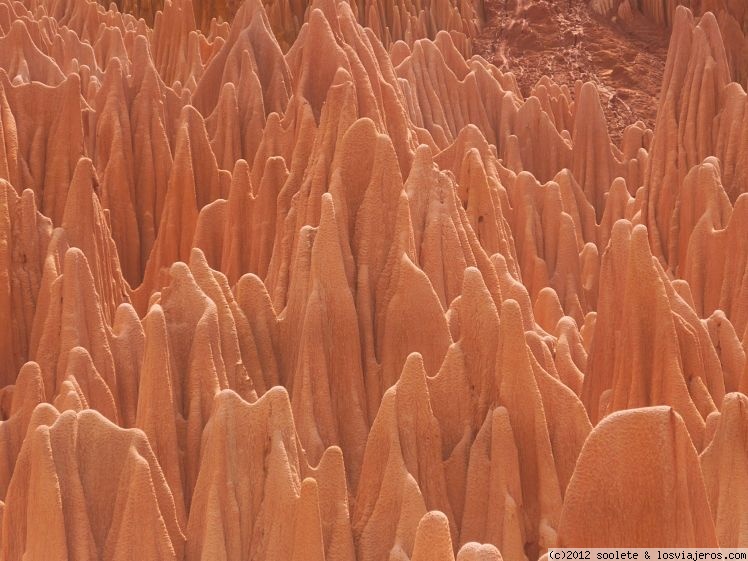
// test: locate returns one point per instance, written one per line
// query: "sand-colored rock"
(631, 373)
(82, 505)
(28, 392)
(270, 485)
(307, 281)
(723, 463)
(24, 236)
(620, 456)
(493, 500)
(400, 471)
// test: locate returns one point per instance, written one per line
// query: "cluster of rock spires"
(314, 285)
(390, 20)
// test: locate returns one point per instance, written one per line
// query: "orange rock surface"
(292, 281)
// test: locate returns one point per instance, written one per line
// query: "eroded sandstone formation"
(289, 280)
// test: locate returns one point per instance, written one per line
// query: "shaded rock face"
(307, 281)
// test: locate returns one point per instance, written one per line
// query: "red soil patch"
(564, 40)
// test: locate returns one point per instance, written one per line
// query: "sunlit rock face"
(294, 281)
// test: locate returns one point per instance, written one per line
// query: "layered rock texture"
(292, 281)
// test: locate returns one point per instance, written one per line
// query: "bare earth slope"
(566, 41)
